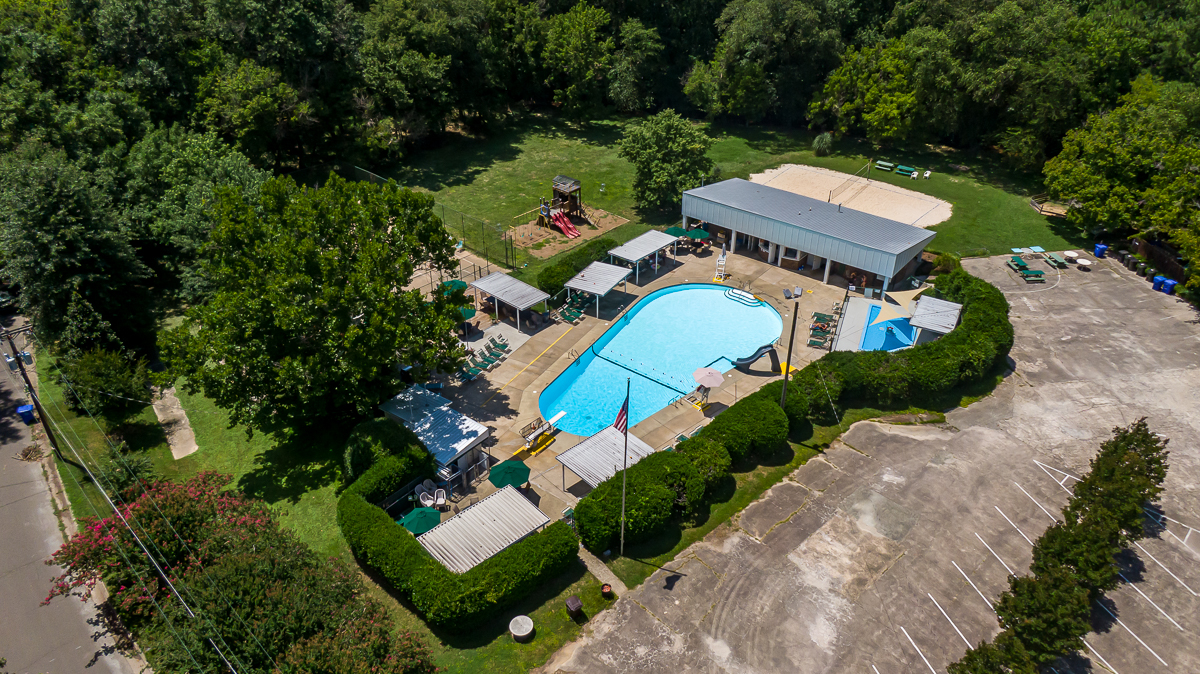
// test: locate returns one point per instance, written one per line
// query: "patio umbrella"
(697, 234)
(421, 520)
(707, 376)
(467, 313)
(455, 284)
(677, 231)
(509, 472)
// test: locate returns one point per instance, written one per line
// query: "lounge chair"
(482, 365)
(814, 342)
(485, 358)
(500, 345)
(823, 317)
(467, 375)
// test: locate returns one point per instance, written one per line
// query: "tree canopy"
(309, 316)
(669, 155)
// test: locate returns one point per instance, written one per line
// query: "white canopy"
(600, 457)
(935, 315)
(599, 278)
(643, 246)
(509, 290)
(482, 530)
(447, 433)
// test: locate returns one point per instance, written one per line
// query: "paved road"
(64, 637)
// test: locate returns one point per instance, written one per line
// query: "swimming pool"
(657, 345)
(879, 337)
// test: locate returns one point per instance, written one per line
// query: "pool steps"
(743, 297)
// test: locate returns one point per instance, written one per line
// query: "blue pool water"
(657, 345)
(878, 338)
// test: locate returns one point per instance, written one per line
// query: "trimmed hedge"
(374, 440)
(709, 457)
(753, 426)
(447, 600)
(660, 487)
(552, 278)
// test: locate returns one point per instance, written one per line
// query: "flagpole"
(625, 468)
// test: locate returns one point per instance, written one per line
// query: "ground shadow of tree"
(298, 461)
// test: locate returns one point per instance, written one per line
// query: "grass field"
(501, 176)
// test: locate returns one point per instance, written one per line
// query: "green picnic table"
(1056, 260)
(884, 166)
(906, 170)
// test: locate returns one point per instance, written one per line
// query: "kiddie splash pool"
(657, 345)
(885, 335)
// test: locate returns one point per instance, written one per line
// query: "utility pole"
(787, 367)
(37, 404)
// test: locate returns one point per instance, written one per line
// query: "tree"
(578, 58)
(632, 65)
(308, 317)
(1125, 475)
(669, 155)
(106, 383)
(63, 245)
(254, 109)
(872, 91)
(1003, 655)
(1048, 614)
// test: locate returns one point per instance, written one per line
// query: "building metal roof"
(600, 457)
(598, 278)
(447, 433)
(930, 313)
(482, 530)
(861, 240)
(644, 246)
(509, 290)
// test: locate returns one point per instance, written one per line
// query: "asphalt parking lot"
(883, 554)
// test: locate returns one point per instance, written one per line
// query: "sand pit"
(869, 196)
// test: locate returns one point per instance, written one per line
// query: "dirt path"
(175, 424)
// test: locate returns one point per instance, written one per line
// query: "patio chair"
(927, 174)
(500, 345)
(787, 293)
(817, 342)
(439, 498)
(426, 498)
(429, 485)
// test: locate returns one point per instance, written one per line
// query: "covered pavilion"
(601, 456)
(482, 530)
(508, 290)
(598, 279)
(650, 243)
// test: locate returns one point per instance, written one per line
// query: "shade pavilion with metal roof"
(600, 457)
(508, 290)
(822, 230)
(650, 243)
(482, 530)
(598, 279)
(935, 315)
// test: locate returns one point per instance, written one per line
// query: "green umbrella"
(467, 313)
(509, 472)
(455, 284)
(421, 520)
(697, 234)
(677, 231)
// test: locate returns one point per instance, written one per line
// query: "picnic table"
(906, 170)
(884, 166)
(1056, 260)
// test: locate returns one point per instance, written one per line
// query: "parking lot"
(884, 554)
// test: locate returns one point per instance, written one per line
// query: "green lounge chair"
(499, 345)
(816, 342)
(467, 374)
(483, 356)
(819, 333)
(483, 363)
(823, 317)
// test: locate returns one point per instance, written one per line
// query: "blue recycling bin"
(1100, 250)
(26, 413)
(1169, 286)
(1158, 282)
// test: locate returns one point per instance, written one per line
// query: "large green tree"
(577, 54)
(633, 66)
(669, 155)
(309, 315)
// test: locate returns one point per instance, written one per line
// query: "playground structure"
(566, 200)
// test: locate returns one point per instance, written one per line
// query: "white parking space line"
(1013, 525)
(1062, 482)
(1164, 568)
(1160, 519)
(1136, 589)
(875, 668)
(964, 575)
(1035, 502)
(1010, 571)
(914, 645)
(1139, 639)
(947, 617)
(1102, 660)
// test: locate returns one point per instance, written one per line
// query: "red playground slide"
(565, 225)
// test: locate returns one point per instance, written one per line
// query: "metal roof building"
(510, 291)
(482, 530)
(794, 221)
(935, 315)
(643, 247)
(447, 433)
(598, 278)
(600, 457)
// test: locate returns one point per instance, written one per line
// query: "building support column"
(779, 260)
(887, 280)
(826, 281)
(733, 240)
(770, 252)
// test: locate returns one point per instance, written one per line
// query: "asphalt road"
(66, 636)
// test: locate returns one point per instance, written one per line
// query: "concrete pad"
(816, 474)
(776, 506)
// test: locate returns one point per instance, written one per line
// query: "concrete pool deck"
(506, 399)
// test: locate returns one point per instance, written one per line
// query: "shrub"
(709, 458)
(552, 278)
(946, 262)
(449, 600)
(106, 383)
(376, 439)
(796, 405)
(1049, 614)
(649, 505)
(753, 426)
(822, 145)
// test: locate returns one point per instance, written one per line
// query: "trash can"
(1121, 255)
(1150, 272)
(1141, 269)
(26, 413)
(1100, 250)
(1131, 263)
(1158, 282)
(1169, 286)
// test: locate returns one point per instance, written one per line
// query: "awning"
(600, 457)
(482, 530)
(599, 278)
(644, 246)
(509, 290)
(446, 433)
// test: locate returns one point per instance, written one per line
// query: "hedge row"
(447, 600)
(383, 439)
(756, 427)
(552, 278)
(1045, 615)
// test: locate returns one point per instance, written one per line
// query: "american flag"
(622, 422)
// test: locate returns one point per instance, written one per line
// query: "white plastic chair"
(439, 498)
(429, 486)
(427, 500)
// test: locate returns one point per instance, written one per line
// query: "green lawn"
(502, 176)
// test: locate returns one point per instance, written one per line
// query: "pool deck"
(506, 399)
(850, 327)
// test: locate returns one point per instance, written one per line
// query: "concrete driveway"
(883, 554)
